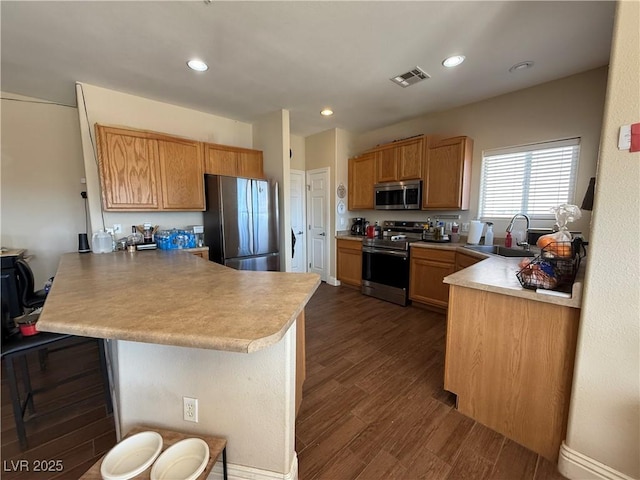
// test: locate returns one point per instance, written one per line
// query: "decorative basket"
(555, 268)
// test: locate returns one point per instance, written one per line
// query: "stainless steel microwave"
(405, 195)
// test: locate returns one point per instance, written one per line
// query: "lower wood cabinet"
(464, 260)
(510, 362)
(428, 267)
(349, 268)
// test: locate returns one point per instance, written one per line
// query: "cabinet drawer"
(437, 255)
(349, 245)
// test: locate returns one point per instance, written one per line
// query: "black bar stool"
(16, 347)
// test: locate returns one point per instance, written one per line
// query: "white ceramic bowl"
(184, 460)
(131, 456)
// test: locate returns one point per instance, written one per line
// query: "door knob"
(322, 234)
(300, 233)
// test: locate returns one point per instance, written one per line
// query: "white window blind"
(528, 179)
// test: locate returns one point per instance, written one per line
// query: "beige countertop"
(497, 274)
(173, 298)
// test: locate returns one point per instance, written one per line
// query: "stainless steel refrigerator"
(241, 222)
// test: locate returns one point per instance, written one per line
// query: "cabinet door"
(250, 164)
(463, 261)
(349, 265)
(129, 169)
(219, 160)
(362, 178)
(428, 269)
(410, 159)
(447, 174)
(181, 170)
(387, 165)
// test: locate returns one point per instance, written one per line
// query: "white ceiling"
(300, 56)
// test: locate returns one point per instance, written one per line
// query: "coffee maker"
(358, 226)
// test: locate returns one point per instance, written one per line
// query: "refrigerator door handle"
(250, 209)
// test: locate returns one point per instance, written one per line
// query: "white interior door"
(298, 221)
(318, 221)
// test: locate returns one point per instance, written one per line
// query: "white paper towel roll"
(475, 232)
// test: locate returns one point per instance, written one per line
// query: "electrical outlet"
(117, 228)
(109, 230)
(190, 409)
(465, 227)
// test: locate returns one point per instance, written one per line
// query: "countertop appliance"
(241, 222)
(10, 291)
(357, 226)
(385, 262)
(405, 195)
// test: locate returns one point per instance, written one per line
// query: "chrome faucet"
(524, 244)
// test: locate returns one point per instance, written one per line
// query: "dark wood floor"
(374, 405)
(77, 436)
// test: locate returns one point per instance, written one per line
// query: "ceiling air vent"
(414, 76)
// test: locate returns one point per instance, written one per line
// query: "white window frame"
(513, 171)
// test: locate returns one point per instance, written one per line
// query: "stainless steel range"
(385, 261)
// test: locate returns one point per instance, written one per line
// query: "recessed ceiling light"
(197, 65)
(326, 112)
(521, 66)
(453, 61)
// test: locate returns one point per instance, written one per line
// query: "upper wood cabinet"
(141, 171)
(446, 175)
(401, 160)
(233, 161)
(182, 174)
(386, 165)
(362, 178)
(410, 154)
(129, 169)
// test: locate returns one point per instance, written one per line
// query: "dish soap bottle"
(508, 240)
(488, 236)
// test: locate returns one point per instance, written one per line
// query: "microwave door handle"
(404, 196)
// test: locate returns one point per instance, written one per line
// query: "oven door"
(385, 274)
(387, 267)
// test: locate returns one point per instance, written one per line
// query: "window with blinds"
(528, 179)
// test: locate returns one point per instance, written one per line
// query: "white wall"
(344, 148)
(249, 399)
(116, 108)
(271, 135)
(321, 153)
(42, 210)
(569, 107)
(604, 421)
(297, 161)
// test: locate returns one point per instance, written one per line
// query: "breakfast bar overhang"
(180, 326)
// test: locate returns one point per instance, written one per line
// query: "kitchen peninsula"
(510, 353)
(180, 326)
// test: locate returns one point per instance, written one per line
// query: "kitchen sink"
(502, 251)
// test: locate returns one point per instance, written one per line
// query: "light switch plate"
(624, 138)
